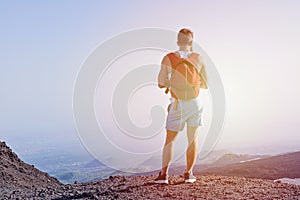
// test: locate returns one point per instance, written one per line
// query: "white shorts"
(189, 111)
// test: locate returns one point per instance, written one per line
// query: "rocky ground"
(141, 187)
(19, 180)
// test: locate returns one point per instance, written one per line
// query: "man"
(186, 109)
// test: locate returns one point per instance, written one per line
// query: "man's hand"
(167, 90)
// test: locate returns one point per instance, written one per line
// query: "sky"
(253, 44)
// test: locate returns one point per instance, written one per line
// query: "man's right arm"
(163, 80)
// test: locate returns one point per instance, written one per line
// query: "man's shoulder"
(166, 60)
(196, 55)
(171, 53)
(170, 56)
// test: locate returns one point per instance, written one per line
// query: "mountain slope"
(274, 167)
(17, 175)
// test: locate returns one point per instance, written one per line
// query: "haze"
(254, 45)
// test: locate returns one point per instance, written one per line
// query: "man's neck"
(184, 50)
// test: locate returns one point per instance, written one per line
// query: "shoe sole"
(189, 180)
(162, 181)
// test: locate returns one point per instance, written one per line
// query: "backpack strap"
(175, 104)
(188, 62)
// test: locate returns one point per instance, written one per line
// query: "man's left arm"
(203, 74)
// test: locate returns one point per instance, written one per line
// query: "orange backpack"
(185, 79)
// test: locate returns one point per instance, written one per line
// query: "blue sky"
(255, 46)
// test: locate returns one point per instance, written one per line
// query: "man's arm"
(163, 80)
(203, 75)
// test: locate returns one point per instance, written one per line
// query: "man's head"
(185, 39)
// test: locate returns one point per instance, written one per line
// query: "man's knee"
(170, 137)
(192, 134)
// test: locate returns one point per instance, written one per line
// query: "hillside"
(17, 175)
(274, 167)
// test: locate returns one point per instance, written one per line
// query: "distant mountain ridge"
(285, 165)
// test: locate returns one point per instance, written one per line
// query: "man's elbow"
(204, 85)
(161, 86)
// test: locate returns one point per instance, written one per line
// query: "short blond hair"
(184, 36)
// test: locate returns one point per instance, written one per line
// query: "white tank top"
(184, 54)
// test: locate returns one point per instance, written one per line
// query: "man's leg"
(168, 151)
(191, 152)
